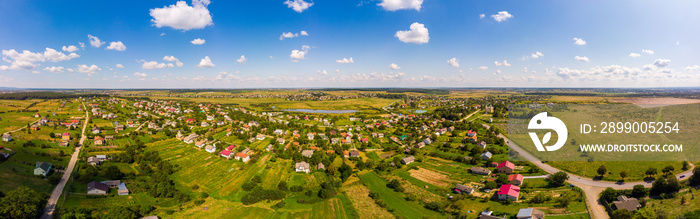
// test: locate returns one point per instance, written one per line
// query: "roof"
(530, 213)
(510, 190)
(515, 177)
(101, 156)
(44, 166)
(226, 152)
(243, 155)
(464, 188)
(407, 159)
(629, 204)
(66, 134)
(97, 185)
(354, 153)
(507, 164)
(122, 186)
(301, 164)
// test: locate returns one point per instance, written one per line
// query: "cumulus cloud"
(345, 61)
(579, 41)
(70, 48)
(56, 56)
(537, 54)
(324, 72)
(173, 59)
(94, 41)
(453, 62)
(298, 5)
(88, 69)
(242, 60)
(393, 5)
(205, 63)
(501, 16)
(286, 35)
(692, 68)
(181, 16)
(299, 54)
(504, 63)
(417, 34)
(118, 46)
(394, 66)
(120, 66)
(198, 41)
(483, 68)
(27, 60)
(581, 58)
(648, 51)
(154, 65)
(634, 55)
(662, 62)
(482, 16)
(55, 69)
(140, 76)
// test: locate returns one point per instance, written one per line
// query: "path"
(51, 204)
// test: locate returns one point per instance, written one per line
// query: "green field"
(395, 200)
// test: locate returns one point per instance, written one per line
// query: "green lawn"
(395, 200)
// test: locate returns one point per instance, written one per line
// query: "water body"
(420, 111)
(321, 111)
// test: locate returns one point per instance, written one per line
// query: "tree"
(609, 194)
(502, 179)
(113, 172)
(646, 213)
(396, 185)
(54, 179)
(602, 170)
(658, 187)
(491, 185)
(668, 169)
(282, 186)
(695, 178)
(672, 185)
(559, 178)
(622, 214)
(345, 171)
(121, 212)
(651, 171)
(21, 203)
(685, 165)
(638, 191)
(623, 174)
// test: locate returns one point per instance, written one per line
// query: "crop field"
(19, 168)
(395, 200)
(675, 207)
(359, 196)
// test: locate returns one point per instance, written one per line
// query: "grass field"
(395, 200)
(673, 207)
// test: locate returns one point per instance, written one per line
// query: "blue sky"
(429, 43)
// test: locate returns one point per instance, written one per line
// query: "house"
(97, 188)
(320, 166)
(99, 140)
(486, 214)
(427, 141)
(34, 127)
(119, 128)
(505, 167)
(354, 153)
(101, 157)
(109, 138)
(260, 137)
(471, 136)
(280, 140)
(243, 157)
(93, 161)
(190, 138)
(459, 189)
(226, 153)
(480, 171)
(419, 145)
(65, 136)
(122, 190)
(278, 132)
(270, 148)
(530, 213)
(42, 168)
(112, 183)
(486, 155)
(482, 144)
(629, 204)
(302, 167)
(508, 191)
(210, 148)
(199, 144)
(95, 130)
(515, 179)
(408, 160)
(6, 137)
(307, 153)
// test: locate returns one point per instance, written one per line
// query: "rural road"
(51, 204)
(592, 188)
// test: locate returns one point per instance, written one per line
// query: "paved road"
(592, 188)
(51, 204)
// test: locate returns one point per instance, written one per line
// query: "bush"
(199, 202)
(280, 204)
(296, 188)
(54, 179)
(435, 206)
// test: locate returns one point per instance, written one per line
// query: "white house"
(302, 167)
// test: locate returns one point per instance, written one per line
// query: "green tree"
(695, 178)
(602, 170)
(651, 171)
(121, 212)
(21, 203)
(658, 187)
(623, 174)
(282, 186)
(672, 185)
(686, 165)
(558, 178)
(645, 213)
(609, 194)
(622, 214)
(113, 173)
(345, 171)
(668, 170)
(638, 191)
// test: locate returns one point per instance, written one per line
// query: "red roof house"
(508, 191)
(505, 167)
(516, 179)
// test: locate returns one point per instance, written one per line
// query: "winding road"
(591, 187)
(51, 204)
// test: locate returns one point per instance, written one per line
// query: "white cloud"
(504, 63)
(298, 5)
(206, 62)
(482, 16)
(55, 69)
(118, 46)
(173, 59)
(501, 16)
(94, 41)
(536, 55)
(286, 35)
(120, 66)
(181, 16)
(242, 60)
(692, 68)
(453, 62)
(648, 51)
(304, 33)
(393, 5)
(678, 43)
(299, 54)
(394, 66)
(82, 45)
(153, 65)
(70, 48)
(198, 41)
(56, 56)
(88, 69)
(162, 34)
(634, 55)
(483, 68)
(140, 76)
(662, 62)
(581, 58)
(579, 41)
(324, 72)
(345, 61)
(418, 34)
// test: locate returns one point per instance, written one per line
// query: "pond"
(321, 111)
(420, 111)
